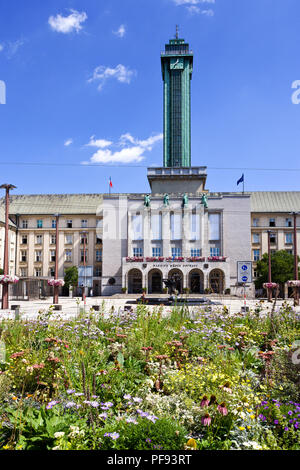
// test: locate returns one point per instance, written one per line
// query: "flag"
(110, 183)
(241, 180)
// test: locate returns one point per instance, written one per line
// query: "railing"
(179, 259)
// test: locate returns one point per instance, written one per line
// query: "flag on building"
(110, 183)
(241, 180)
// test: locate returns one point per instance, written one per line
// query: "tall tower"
(177, 69)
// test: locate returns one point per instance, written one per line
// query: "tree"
(71, 277)
(282, 267)
(1, 271)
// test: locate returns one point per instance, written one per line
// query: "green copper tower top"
(177, 69)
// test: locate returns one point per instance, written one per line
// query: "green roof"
(275, 201)
(49, 204)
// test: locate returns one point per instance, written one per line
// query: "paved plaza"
(71, 307)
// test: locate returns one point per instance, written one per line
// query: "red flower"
(204, 402)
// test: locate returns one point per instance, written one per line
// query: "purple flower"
(69, 392)
(131, 420)
(290, 413)
(51, 404)
(103, 415)
(127, 397)
(112, 435)
(152, 418)
(70, 404)
(275, 421)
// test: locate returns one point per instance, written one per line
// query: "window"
(98, 241)
(39, 223)
(84, 223)
(98, 272)
(214, 251)
(52, 272)
(272, 238)
(23, 272)
(272, 252)
(255, 222)
(255, 274)
(272, 223)
(156, 251)
(156, 226)
(38, 256)
(256, 238)
(256, 255)
(68, 255)
(69, 239)
(290, 252)
(288, 238)
(83, 238)
(53, 223)
(53, 239)
(24, 240)
(23, 256)
(194, 227)
(176, 252)
(38, 272)
(39, 239)
(214, 226)
(69, 223)
(24, 223)
(175, 226)
(137, 251)
(137, 226)
(98, 255)
(83, 256)
(52, 255)
(288, 222)
(195, 252)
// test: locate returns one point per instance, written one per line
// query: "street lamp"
(7, 188)
(269, 261)
(296, 291)
(84, 265)
(56, 288)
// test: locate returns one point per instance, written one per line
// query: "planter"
(6, 279)
(270, 285)
(56, 282)
(295, 283)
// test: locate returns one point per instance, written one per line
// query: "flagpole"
(109, 186)
(243, 183)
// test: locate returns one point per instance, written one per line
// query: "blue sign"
(244, 278)
(244, 267)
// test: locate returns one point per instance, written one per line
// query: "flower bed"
(295, 283)
(270, 285)
(56, 282)
(144, 381)
(6, 279)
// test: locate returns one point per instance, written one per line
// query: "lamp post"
(84, 266)
(7, 188)
(269, 270)
(56, 288)
(296, 290)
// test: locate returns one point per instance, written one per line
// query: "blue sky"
(83, 84)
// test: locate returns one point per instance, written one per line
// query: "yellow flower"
(248, 427)
(242, 428)
(252, 416)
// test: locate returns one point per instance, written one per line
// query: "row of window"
(51, 272)
(272, 222)
(38, 255)
(68, 224)
(68, 239)
(257, 253)
(288, 238)
(176, 252)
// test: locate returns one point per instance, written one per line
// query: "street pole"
(269, 271)
(296, 290)
(7, 188)
(56, 288)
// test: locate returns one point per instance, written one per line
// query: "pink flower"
(206, 420)
(222, 409)
(204, 402)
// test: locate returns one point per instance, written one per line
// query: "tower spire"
(177, 31)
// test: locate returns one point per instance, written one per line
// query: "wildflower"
(70, 404)
(204, 402)
(241, 428)
(112, 435)
(213, 400)
(57, 435)
(103, 416)
(152, 418)
(206, 420)
(69, 392)
(51, 404)
(222, 409)
(131, 420)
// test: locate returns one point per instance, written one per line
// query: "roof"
(275, 201)
(2, 216)
(64, 204)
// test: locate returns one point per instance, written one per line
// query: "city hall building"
(133, 242)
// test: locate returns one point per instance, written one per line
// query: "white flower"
(57, 435)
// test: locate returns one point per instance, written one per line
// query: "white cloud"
(121, 73)
(68, 142)
(1, 47)
(193, 6)
(67, 24)
(100, 143)
(133, 149)
(121, 31)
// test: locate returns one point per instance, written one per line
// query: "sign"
(244, 272)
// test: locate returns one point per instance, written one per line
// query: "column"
(166, 252)
(185, 231)
(146, 231)
(129, 235)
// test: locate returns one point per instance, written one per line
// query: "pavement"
(71, 308)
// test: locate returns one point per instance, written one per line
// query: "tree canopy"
(71, 277)
(282, 267)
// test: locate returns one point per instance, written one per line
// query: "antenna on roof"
(177, 30)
